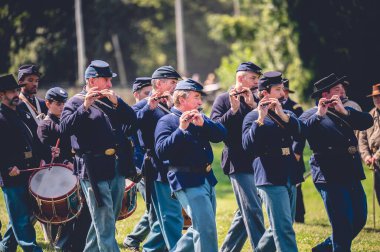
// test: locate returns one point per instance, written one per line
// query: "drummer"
(73, 235)
(19, 151)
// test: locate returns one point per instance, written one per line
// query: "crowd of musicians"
(163, 144)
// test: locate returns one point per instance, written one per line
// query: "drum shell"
(56, 210)
(129, 203)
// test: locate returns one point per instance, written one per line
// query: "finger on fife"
(239, 93)
(160, 97)
(264, 104)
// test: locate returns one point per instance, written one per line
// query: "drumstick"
(56, 146)
(34, 169)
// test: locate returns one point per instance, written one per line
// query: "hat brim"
(12, 88)
(374, 94)
(338, 81)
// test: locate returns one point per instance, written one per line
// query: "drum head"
(55, 182)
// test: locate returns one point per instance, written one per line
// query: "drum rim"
(48, 199)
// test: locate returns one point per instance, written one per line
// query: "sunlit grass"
(315, 229)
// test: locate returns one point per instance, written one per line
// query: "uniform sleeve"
(221, 113)
(359, 120)
(128, 117)
(168, 139)
(364, 145)
(252, 133)
(214, 131)
(72, 116)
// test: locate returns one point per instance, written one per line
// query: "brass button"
(110, 152)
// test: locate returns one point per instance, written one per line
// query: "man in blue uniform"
(19, 151)
(335, 164)
(73, 235)
(94, 119)
(289, 104)
(230, 108)
(190, 175)
(141, 89)
(166, 221)
(268, 134)
(34, 107)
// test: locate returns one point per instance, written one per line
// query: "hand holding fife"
(14, 171)
(338, 105)
(262, 108)
(197, 118)
(234, 100)
(248, 97)
(185, 120)
(91, 96)
(110, 94)
(322, 107)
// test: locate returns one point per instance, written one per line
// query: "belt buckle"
(285, 151)
(110, 152)
(208, 168)
(28, 154)
(352, 149)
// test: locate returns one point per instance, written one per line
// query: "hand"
(55, 151)
(153, 101)
(110, 94)
(279, 110)
(262, 108)
(14, 171)
(322, 107)
(197, 118)
(70, 165)
(91, 96)
(168, 100)
(185, 120)
(248, 98)
(369, 160)
(234, 100)
(338, 105)
(298, 156)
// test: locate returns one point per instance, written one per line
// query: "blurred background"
(306, 40)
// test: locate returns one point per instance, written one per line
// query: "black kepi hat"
(190, 85)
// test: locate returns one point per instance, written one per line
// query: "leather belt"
(196, 169)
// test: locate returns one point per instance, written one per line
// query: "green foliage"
(262, 34)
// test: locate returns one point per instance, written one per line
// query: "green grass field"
(309, 234)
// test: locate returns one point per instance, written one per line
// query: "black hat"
(56, 94)
(270, 79)
(98, 68)
(249, 67)
(8, 82)
(166, 72)
(141, 82)
(326, 83)
(26, 70)
(190, 85)
(286, 85)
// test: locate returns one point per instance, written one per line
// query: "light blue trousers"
(280, 203)
(101, 235)
(200, 204)
(248, 220)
